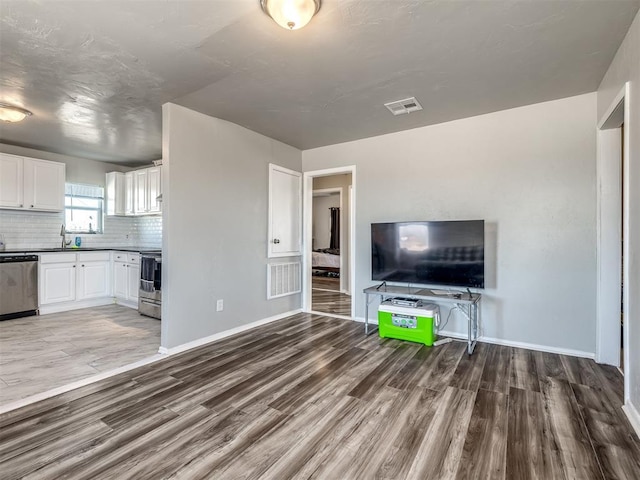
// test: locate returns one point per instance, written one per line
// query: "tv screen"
(448, 253)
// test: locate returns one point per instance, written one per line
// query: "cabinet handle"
(74, 266)
(276, 240)
(20, 205)
(31, 206)
(83, 265)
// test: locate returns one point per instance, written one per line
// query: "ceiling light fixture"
(11, 114)
(291, 14)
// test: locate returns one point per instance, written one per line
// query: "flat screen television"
(448, 253)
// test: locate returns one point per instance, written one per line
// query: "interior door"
(285, 212)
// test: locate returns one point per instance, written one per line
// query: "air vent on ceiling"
(407, 105)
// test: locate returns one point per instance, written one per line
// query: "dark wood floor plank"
(497, 369)
(617, 453)
(422, 405)
(468, 373)
(485, 448)
(311, 397)
(382, 374)
(569, 430)
(549, 365)
(441, 449)
(532, 451)
(444, 367)
(524, 374)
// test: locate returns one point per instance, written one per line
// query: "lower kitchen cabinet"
(74, 280)
(126, 277)
(57, 283)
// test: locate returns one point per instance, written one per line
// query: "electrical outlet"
(219, 305)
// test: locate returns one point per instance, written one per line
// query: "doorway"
(612, 345)
(328, 241)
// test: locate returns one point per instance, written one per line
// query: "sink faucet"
(64, 242)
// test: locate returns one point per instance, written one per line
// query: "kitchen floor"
(43, 352)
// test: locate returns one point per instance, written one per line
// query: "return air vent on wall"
(401, 107)
(283, 279)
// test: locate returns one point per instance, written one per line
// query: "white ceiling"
(96, 73)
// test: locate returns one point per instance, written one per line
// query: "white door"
(120, 279)
(133, 281)
(11, 181)
(285, 212)
(140, 186)
(58, 283)
(154, 188)
(93, 280)
(43, 185)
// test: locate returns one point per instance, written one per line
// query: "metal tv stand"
(467, 303)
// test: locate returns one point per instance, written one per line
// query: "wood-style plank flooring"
(312, 397)
(327, 298)
(43, 352)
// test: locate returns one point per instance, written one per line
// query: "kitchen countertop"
(16, 251)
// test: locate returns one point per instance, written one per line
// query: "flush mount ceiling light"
(291, 14)
(11, 114)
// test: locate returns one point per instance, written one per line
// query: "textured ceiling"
(96, 73)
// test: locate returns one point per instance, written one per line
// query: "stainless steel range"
(150, 292)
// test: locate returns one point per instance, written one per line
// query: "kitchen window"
(83, 208)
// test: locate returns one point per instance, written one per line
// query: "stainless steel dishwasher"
(18, 286)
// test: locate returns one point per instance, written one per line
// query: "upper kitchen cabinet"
(31, 184)
(116, 189)
(134, 193)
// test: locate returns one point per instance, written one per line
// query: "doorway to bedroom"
(328, 238)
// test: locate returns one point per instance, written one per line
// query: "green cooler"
(415, 324)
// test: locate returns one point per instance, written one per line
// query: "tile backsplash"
(42, 230)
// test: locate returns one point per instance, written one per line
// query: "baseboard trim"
(68, 306)
(372, 321)
(78, 383)
(632, 414)
(227, 333)
(534, 346)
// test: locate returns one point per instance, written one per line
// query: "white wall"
(322, 219)
(215, 192)
(626, 67)
(530, 174)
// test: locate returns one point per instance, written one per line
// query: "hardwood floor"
(327, 298)
(43, 352)
(312, 397)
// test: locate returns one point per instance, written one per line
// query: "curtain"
(334, 241)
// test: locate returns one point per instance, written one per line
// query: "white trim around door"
(307, 232)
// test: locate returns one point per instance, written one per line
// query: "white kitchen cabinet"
(93, 279)
(285, 212)
(154, 189)
(74, 280)
(134, 193)
(116, 193)
(57, 283)
(11, 181)
(31, 184)
(130, 194)
(133, 282)
(141, 191)
(126, 276)
(120, 280)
